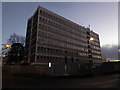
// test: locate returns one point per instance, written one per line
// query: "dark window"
(40, 11)
(39, 24)
(56, 58)
(90, 56)
(46, 14)
(88, 46)
(89, 51)
(41, 48)
(38, 48)
(88, 33)
(48, 21)
(47, 57)
(44, 57)
(43, 26)
(44, 49)
(65, 51)
(40, 18)
(88, 37)
(37, 57)
(72, 59)
(88, 42)
(77, 59)
(41, 57)
(48, 49)
(43, 12)
(66, 59)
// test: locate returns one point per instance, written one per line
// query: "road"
(106, 81)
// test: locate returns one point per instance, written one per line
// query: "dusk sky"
(102, 17)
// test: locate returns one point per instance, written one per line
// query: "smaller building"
(110, 60)
(111, 66)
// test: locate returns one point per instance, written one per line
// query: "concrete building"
(59, 43)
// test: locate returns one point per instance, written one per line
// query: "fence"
(60, 69)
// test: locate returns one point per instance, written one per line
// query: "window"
(46, 14)
(41, 48)
(47, 57)
(40, 11)
(43, 26)
(44, 48)
(37, 57)
(44, 57)
(38, 48)
(39, 24)
(41, 57)
(43, 12)
(40, 18)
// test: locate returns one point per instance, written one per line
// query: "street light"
(5, 51)
(7, 45)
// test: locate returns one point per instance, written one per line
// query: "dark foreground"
(106, 81)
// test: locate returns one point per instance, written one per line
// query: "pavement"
(104, 81)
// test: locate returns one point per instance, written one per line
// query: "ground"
(105, 81)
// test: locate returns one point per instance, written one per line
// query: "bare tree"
(14, 38)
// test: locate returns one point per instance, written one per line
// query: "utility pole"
(89, 26)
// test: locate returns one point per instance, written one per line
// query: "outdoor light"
(50, 64)
(7, 45)
(91, 39)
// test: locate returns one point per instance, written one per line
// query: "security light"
(49, 64)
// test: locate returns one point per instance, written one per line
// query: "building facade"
(53, 39)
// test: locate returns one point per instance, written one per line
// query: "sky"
(118, 29)
(0, 24)
(60, 0)
(102, 17)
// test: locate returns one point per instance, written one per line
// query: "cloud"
(110, 51)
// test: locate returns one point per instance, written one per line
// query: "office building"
(53, 39)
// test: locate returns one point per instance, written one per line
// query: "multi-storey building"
(53, 39)
(118, 51)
